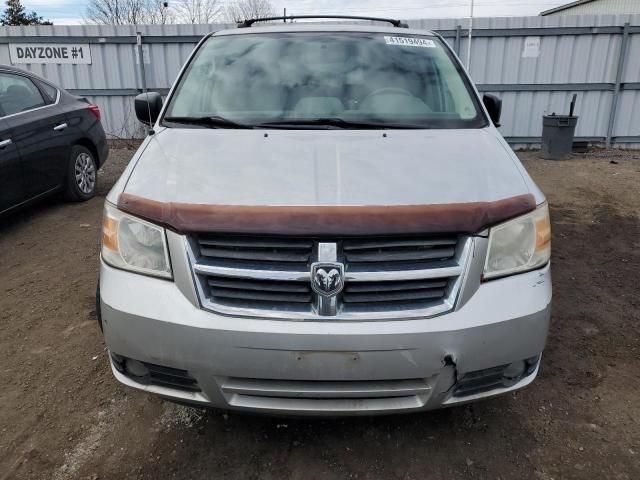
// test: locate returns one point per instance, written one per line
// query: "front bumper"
(332, 367)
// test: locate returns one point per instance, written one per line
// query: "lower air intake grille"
(326, 396)
(480, 381)
(152, 374)
(171, 378)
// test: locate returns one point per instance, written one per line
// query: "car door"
(11, 185)
(37, 128)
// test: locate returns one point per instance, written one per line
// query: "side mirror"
(148, 106)
(494, 106)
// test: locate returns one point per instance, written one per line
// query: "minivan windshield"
(324, 80)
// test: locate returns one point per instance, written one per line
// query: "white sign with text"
(146, 54)
(50, 53)
(531, 47)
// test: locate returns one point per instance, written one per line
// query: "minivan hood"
(325, 167)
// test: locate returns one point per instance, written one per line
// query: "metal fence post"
(456, 42)
(143, 77)
(616, 88)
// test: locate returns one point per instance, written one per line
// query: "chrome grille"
(385, 277)
(399, 251)
(241, 271)
(259, 290)
(390, 291)
(256, 250)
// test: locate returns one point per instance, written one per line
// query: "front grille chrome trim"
(398, 275)
(453, 269)
(291, 275)
(201, 267)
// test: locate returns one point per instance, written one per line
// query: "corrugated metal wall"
(578, 54)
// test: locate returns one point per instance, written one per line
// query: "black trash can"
(557, 136)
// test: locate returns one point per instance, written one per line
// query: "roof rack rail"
(251, 21)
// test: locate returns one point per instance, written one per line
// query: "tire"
(82, 175)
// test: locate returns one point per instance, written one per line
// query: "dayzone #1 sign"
(50, 53)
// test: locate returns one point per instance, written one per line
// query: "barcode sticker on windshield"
(410, 42)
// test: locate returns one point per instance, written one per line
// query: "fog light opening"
(515, 370)
(136, 368)
(532, 364)
(118, 361)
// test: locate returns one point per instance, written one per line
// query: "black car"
(50, 141)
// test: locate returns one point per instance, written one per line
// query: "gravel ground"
(63, 416)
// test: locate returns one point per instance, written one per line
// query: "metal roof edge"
(564, 7)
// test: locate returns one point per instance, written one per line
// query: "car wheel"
(82, 175)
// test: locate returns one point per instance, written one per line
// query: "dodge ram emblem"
(327, 278)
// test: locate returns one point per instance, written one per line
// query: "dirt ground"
(63, 416)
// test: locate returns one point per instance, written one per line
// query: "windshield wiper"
(212, 121)
(334, 122)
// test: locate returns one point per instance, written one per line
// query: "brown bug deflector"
(328, 220)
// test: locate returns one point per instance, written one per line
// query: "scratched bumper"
(324, 367)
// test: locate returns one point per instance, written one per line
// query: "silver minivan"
(324, 219)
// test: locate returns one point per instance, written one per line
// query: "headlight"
(132, 244)
(519, 245)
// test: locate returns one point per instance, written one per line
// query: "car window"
(50, 92)
(18, 93)
(354, 76)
